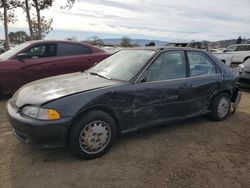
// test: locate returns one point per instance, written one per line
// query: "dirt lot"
(192, 153)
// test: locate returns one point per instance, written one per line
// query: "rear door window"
(65, 49)
(243, 48)
(200, 64)
(248, 47)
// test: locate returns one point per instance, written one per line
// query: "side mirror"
(21, 56)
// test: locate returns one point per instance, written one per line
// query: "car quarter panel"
(230, 76)
(11, 76)
(202, 89)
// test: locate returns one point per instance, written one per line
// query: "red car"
(38, 59)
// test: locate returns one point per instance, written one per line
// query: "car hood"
(48, 89)
(222, 53)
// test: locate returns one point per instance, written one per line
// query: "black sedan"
(130, 90)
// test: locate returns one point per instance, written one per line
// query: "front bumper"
(41, 134)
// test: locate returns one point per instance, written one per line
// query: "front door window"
(42, 51)
(168, 66)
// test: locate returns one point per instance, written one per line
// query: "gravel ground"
(192, 153)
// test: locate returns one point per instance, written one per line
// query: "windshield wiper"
(100, 75)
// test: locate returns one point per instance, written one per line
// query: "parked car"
(234, 54)
(1, 49)
(130, 90)
(38, 59)
(193, 44)
(213, 50)
(244, 70)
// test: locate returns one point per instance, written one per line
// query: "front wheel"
(92, 135)
(220, 107)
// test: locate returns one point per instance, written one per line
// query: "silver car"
(244, 77)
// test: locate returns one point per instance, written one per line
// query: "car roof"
(186, 42)
(239, 45)
(96, 49)
(56, 41)
(161, 48)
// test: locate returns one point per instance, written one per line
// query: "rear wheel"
(220, 107)
(92, 135)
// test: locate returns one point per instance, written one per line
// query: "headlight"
(241, 67)
(40, 113)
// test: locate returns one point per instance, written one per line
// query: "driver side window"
(41, 51)
(168, 65)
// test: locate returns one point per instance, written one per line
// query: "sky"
(167, 20)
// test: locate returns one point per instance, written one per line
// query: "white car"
(244, 74)
(234, 54)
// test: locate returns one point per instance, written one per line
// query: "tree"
(40, 25)
(41, 28)
(8, 16)
(69, 4)
(150, 44)
(95, 40)
(125, 42)
(18, 37)
(239, 40)
(27, 8)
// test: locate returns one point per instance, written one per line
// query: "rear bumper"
(244, 79)
(236, 98)
(41, 134)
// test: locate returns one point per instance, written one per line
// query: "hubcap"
(223, 107)
(95, 137)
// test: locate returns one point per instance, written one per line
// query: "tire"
(92, 135)
(220, 107)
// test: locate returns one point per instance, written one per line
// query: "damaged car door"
(161, 92)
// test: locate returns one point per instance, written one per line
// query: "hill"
(141, 42)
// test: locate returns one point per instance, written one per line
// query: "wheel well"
(246, 58)
(99, 108)
(224, 91)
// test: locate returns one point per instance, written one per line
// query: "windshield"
(13, 51)
(123, 65)
(231, 49)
